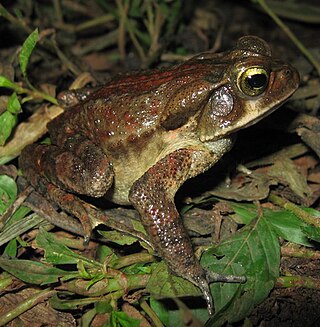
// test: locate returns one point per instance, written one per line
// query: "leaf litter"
(251, 235)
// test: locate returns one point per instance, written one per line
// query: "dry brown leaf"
(29, 132)
(288, 173)
(40, 315)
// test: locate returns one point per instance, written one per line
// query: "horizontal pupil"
(257, 81)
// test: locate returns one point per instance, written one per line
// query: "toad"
(138, 138)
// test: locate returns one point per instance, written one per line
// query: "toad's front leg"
(153, 196)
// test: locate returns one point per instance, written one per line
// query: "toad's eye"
(253, 81)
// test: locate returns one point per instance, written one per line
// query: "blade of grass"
(290, 34)
(25, 53)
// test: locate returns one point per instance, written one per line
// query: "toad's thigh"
(81, 168)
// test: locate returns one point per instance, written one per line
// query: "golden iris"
(253, 81)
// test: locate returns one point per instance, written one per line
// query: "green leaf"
(245, 212)
(26, 51)
(14, 105)
(31, 271)
(311, 211)
(5, 82)
(8, 192)
(57, 253)
(104, 253)
(137, 225)
(164, 285)
(16, 227)
(118, 319)
(255, 248)
(175, 317)
(288, 226)
(87, 318)
(159, 308)
(285, 223)
(11, 249)
(118, 237)
(7, 122)
(312, 233)
(137, 268)
(19, 215)
(103, 307)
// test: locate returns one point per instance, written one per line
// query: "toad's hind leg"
(77, 167)
(153, 196)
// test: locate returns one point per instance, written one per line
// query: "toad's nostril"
(287, 73)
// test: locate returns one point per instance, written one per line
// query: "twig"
(122, 30)
(304, 216)
(298, 281)
(13, 20)
(296, 251)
